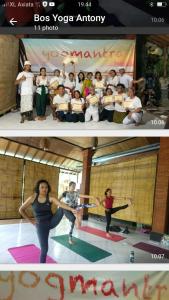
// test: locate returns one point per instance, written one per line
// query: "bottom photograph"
(63, 285)
(80, 200)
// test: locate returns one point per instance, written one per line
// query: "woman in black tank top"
(44, 220)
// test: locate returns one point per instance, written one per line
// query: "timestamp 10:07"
(158, 256)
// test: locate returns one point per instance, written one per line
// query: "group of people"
(80, 98)
(68, 205)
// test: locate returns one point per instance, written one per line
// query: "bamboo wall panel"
(161, 203)
(133, 178)
(9, 53)
(34, 172)
(10, 187)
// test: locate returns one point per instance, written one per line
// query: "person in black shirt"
(45, 220)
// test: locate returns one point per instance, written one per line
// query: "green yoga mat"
(84, 249)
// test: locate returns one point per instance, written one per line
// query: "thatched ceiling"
(67, 152)
(160, 40)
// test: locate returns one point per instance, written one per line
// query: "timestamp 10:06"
(157, 20)
(158, 256)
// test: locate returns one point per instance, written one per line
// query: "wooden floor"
(13, 221)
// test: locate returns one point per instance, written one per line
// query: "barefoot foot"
(71, 242)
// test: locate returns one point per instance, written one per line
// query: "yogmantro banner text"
(88, 55)
(85, 285)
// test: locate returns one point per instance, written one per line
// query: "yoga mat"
(28, 254)
(152, 249)
(84, 249)
(101, 233)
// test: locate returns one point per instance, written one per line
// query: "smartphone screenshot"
(101, 64)
(84, 159)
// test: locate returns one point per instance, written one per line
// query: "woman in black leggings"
(71, 198)
(41, 204)
(107, 203)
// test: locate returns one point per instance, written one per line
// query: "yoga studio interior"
(136, 169)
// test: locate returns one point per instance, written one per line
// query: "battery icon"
(161, 4)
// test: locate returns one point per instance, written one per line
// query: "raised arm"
(94, 198)
(62, 204)
(123, 198)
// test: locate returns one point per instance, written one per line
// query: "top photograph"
(101, 65)
(116, 82)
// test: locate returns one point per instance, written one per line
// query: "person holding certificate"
(70, 83)
(108, 106)
(87, 84)
(61, 104)
(119, 97)
(99, 84)
(92, 102)
(134, 107)
(54, 82)
(77, 107)
(112, 80)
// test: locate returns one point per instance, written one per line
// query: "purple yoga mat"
(152, 249)
(28, 254)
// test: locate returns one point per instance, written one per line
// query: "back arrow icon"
(12, 22)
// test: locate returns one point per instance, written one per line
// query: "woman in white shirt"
(134, 109)
(79, 81)
(56, 80)
(99, 84)
(108, 106)
(70, 83)
(77, 108)
(112, 80)
(119, 97)
(42, 83)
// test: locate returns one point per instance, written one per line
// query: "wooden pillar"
(161, 202)
(165, 58)
(85, 185)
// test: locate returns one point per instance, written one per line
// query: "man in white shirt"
(125, 78)
(135, 109)
(92, 111)
(60, 98)
(70, 83)
(25, 80)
